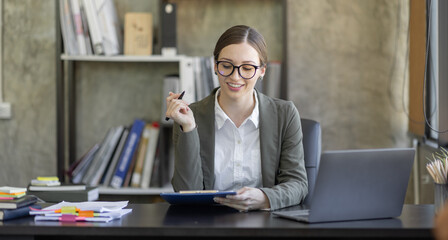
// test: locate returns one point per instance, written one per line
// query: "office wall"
(346, 62)
(28, 139)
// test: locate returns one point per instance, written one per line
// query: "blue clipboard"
(194, 197)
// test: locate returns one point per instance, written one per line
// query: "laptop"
(358, 185)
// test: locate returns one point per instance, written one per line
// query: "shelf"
(134, 191)
(124, 58)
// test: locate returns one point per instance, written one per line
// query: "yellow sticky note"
(52, 178)
(68, 210)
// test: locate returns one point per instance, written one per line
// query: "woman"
(237, 138)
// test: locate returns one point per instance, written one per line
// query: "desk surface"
(161, 219)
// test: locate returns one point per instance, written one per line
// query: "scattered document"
(91, 206)
(82, 211)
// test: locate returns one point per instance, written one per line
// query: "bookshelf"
(67, 104)
(66, 86)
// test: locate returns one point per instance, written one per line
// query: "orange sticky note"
(85, 213)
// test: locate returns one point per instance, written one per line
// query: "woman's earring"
(216, 73)
(260, 78)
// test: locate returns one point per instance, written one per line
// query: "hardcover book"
(153, 140)
(128, 153)
(88, 194)
(7, 214)
(57, 188)
(17, 203)
(105, 158)
(94, 165)
(113, 165)
(138, 170)
(81, 169)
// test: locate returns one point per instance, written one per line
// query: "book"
(85, 28)
(8, 214)
(76, 13)
(88, 194)
(127, 179)
(153, 140)
(187, 81)
(57, 188)
(138, 33)
(109, 27)
(105, 158)
(115, 158)
(99, 157)
(80, 170)
(7, 189)
(127, 154)
(17, 203)
(67, 28)
(138, 170)
(171, 83)
(94, 27)
(166, 156)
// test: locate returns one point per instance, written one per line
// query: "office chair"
(312, 145)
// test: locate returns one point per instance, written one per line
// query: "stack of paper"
(45, 181)
(82, 212)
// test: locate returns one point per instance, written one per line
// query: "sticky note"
(85, 214)
(68, 218)
(48, 178)
(68, 210)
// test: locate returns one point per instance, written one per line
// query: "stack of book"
(126, 157)
(49, 189)
(15, 203)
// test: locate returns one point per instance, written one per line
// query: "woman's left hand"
(246, 199)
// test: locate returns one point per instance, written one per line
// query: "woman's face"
(234, 86)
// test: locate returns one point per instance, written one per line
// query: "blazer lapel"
(205, 119)
(269, 137)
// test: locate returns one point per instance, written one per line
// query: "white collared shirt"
(237, 151)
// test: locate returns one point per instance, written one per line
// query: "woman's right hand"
(179, 111)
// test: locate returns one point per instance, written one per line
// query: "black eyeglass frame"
(237, 67)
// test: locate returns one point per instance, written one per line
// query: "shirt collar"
(221, 117)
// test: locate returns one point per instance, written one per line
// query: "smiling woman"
(238, 139)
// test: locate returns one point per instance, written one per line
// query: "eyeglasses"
(246, 71)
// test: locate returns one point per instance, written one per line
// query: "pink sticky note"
(68, 218)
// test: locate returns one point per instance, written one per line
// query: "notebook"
(358, 185)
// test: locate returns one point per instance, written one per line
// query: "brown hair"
(240, 34)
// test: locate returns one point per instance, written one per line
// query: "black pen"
(180, 97)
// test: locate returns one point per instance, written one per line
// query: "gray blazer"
(282, 164)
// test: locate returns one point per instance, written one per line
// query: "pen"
(180, 97)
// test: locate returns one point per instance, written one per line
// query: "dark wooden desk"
(162, 220)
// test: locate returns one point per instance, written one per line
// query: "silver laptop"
(357, 185)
